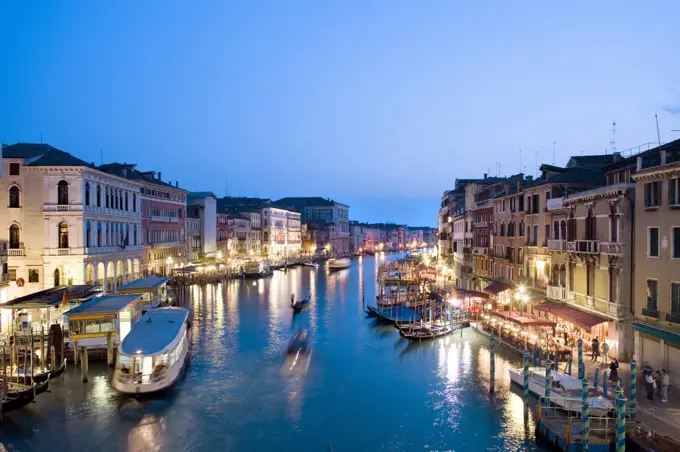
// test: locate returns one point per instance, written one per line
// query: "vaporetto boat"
(339, 264)
(565, 391)
(154, 354)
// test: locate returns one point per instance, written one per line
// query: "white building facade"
(67, 222)
(277, 241)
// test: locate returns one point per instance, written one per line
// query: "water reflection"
(363, 378)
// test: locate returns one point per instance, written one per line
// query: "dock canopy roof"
(576, 316)
(52, 298)
(154, 331)
(144, 284)
(110, 304)
(497, 287)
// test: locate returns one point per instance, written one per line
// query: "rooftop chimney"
(617, 157)
(159, 175)
(484, 175)
(530, 178)
(176, 184)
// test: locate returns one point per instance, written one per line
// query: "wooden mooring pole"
(109, 349)
(83, 365)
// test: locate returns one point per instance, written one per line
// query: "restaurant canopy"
(144, 284)
(497, 287)
(576, 316)
(522, 320)
(470, 294)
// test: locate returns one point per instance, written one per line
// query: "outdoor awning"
(497, 287)
(576, 316)
(524, 320)
(470, 293)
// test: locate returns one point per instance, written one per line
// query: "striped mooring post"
(557, 362)
(620, 422)
(548, 380)
(569, 364)
(633, 389)
(526, 378)
(596, 378)
(585, 418)
(533, 355)
(581, 370)
(492, 365)
(605, 379)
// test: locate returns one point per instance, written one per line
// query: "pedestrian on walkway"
(596, 349)
(658, 380)
(605, 351)
(649, 386)
(665, 383)
(614, 370)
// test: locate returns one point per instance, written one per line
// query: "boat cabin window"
(124, 363)
(92, 326)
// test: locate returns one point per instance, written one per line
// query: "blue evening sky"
(380, 104)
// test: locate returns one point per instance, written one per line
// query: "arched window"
(266, 236)
(108, 198)
(62, 193)
(106, 234)
(99, 195)
(126, 240)
(14, 237)
(556, 230)
(87, 193)
(115, 199)
(120, 196)
(563, 229)
(63, 234)
(502, 229)
(521, 228)
(14, 198)
(126, 202)
(99, 234)
(134, 202)
(88, 235)
(134, 236)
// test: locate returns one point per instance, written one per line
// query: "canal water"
(366, 389)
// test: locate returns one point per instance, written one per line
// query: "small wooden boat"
(257, 269)
(427, 331)
(645, 441)
(298, 354)
(301, 304)
(339, 264)
(310, 264)
(565, 391)
(15, 399)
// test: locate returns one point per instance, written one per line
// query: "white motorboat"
(566, 390)
(339, 264)
(153, 355)
(257, 269)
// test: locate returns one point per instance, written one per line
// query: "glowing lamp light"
(489, 306)
(139, 352)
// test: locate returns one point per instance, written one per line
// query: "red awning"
(524, 320)
(470, 293)
(576, 316)
(497, 287)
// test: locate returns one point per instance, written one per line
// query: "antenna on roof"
(658, 134)
(613, 137)
(101, 156)
(554, 143)
(41, 138)
(520, 160)
(536, 170)
(226, 186)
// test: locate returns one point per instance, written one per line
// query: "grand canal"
(366, 389)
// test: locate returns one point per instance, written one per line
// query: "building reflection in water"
(148, 435)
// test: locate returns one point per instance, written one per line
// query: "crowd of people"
(656, 383)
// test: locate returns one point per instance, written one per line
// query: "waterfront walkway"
(664, 418)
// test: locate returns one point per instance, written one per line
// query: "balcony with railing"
(559, 293)
(557, 245)
(584, 246)
(554, 204)
(16, 252)
(533, 282)
(164, 219)
(612, 248)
